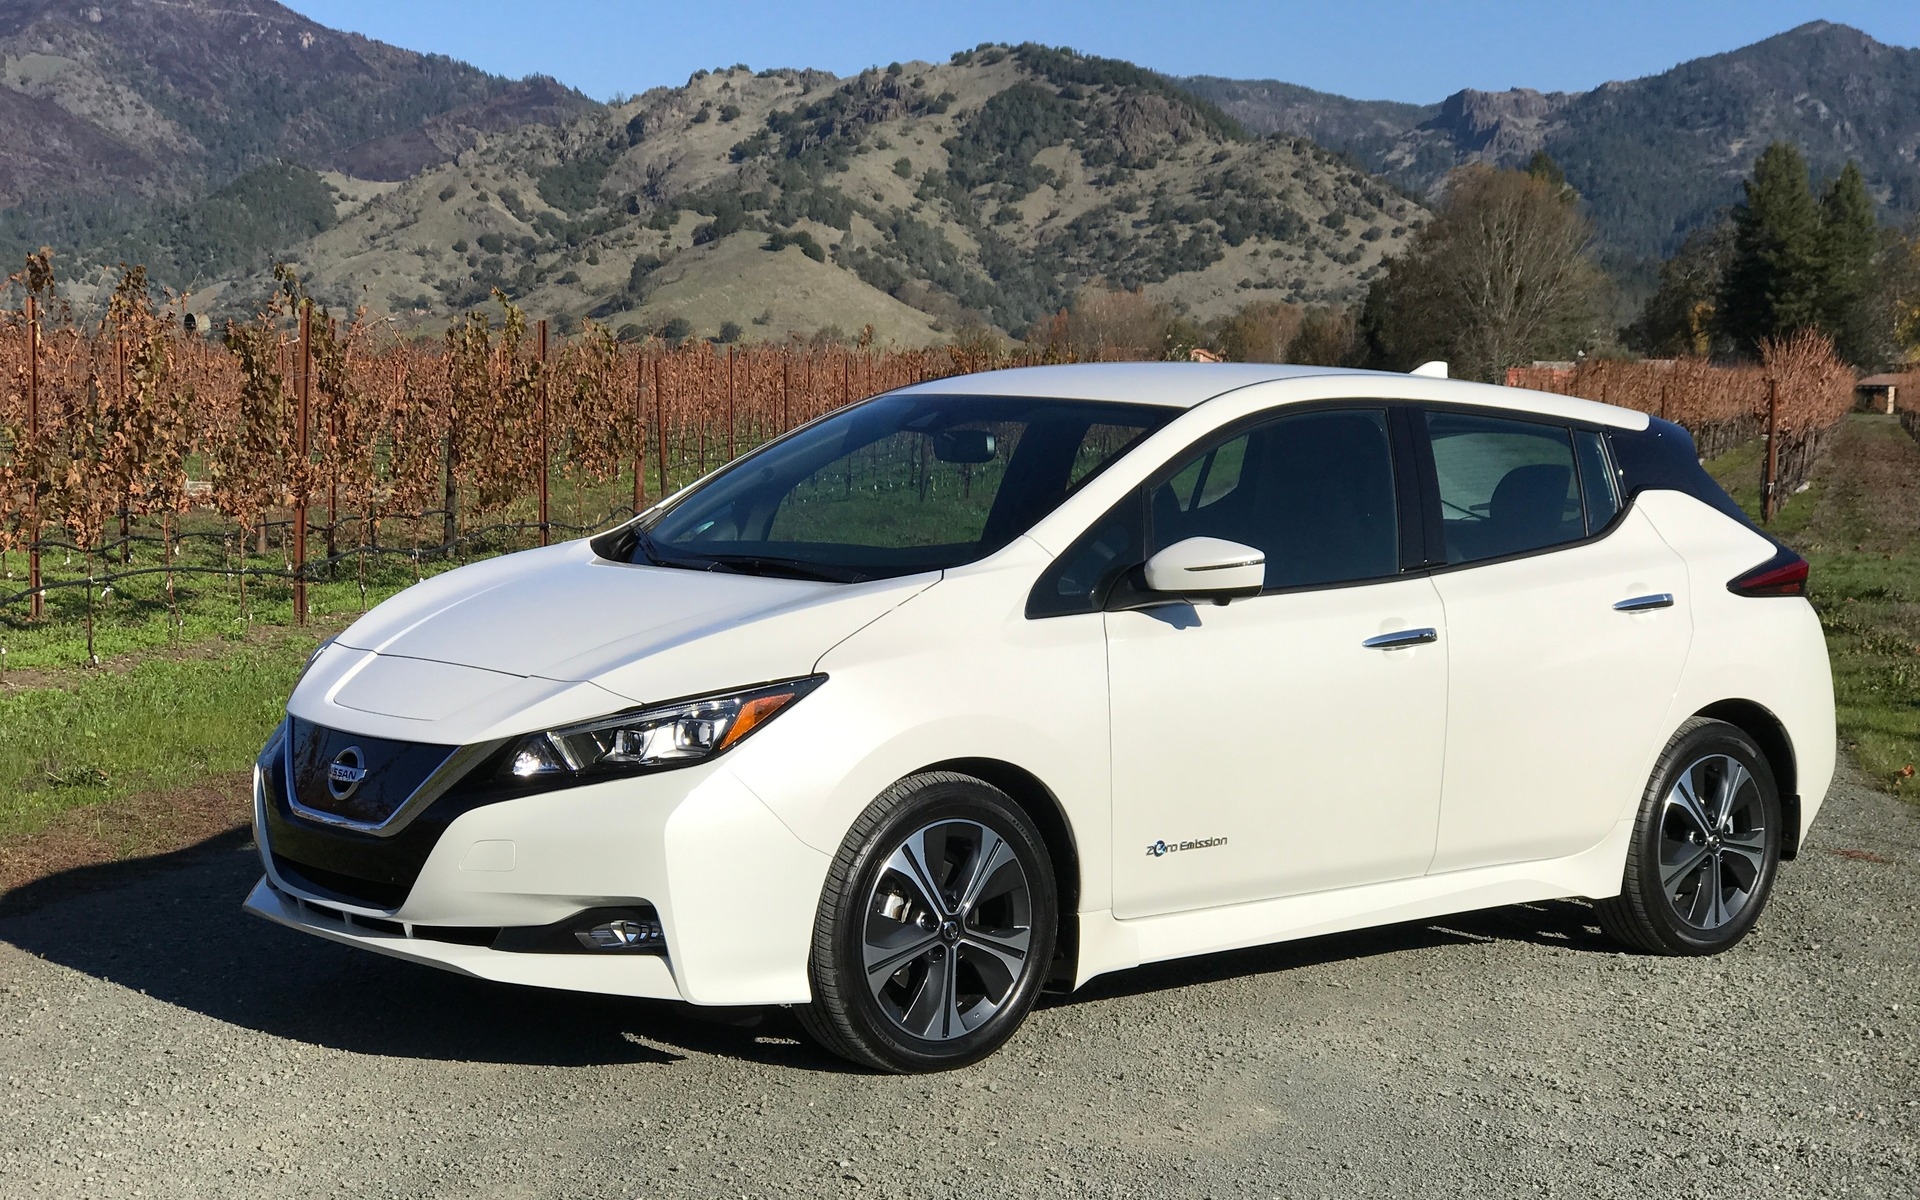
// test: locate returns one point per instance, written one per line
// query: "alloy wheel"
(948, 929)
(1713, 842)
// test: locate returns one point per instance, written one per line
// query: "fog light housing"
(622, 935)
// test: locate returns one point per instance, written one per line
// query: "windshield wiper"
(744, 564)
(644, 545)
(791, 568)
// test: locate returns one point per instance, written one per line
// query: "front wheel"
(935, 930)
(1705, 848)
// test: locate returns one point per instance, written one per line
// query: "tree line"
(1506, 274)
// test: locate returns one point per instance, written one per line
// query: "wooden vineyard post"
(450, 496)
(660, 426)
(729, 403)
(120, 383)
(37, 603)
(640, 432)
(543, 430)
(1770, 471)
(305, 397)
(786, 389)
(336, 437)
(260, 538)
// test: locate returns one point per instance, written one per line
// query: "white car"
(1007, 681)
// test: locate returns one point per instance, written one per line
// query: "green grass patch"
(134, 616)
(161, 723)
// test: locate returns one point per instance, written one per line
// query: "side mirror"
(1205, 568)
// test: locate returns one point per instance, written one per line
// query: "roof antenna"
(1437, 369)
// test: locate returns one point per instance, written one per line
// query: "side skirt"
(1110, 944)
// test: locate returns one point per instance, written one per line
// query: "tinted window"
(1506, 487)
(1596, 480)
(896, 485)
(1313, 491)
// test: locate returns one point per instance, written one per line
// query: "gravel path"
(156, 1042)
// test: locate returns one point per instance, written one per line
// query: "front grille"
(349, 865)
(393, 771)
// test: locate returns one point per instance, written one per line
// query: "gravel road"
(156, 1042)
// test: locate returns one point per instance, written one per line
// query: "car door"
(1568, 629)
(1279, 744)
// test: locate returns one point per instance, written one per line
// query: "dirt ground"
(147, 825)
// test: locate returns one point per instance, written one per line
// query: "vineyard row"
(128, 430)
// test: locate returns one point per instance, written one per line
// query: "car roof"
(1184, 385)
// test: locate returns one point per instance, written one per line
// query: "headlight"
(648, 739)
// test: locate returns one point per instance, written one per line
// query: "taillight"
(1785, 574)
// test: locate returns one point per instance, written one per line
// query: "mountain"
(1267, 106)
(109, 108)
(1655, 157)
(915, 198)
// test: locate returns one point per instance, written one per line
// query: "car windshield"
(897, 485)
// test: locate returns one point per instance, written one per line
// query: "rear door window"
(1505, 487)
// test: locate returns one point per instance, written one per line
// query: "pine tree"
(1774, 283)
(1542, 167)
(1849, 240)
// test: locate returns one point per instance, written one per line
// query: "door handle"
(1644, 603)
(1401, 639)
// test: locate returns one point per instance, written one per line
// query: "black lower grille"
(459, 935)
(335, 885)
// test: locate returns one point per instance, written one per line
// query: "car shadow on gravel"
(171, 927)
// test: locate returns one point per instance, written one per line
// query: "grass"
(161, 723)
(135, 618)
(1858, 524)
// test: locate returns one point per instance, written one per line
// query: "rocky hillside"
(916, 198)
(1655, 157)
(109, 107)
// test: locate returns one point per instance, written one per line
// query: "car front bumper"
(734, 890)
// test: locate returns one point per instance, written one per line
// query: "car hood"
(468, 647)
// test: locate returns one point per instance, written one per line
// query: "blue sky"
(1400, 50)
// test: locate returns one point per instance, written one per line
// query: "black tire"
(874, 903)
(1702, 861)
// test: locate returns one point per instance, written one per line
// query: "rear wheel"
(1705, 848)
(935, 929)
